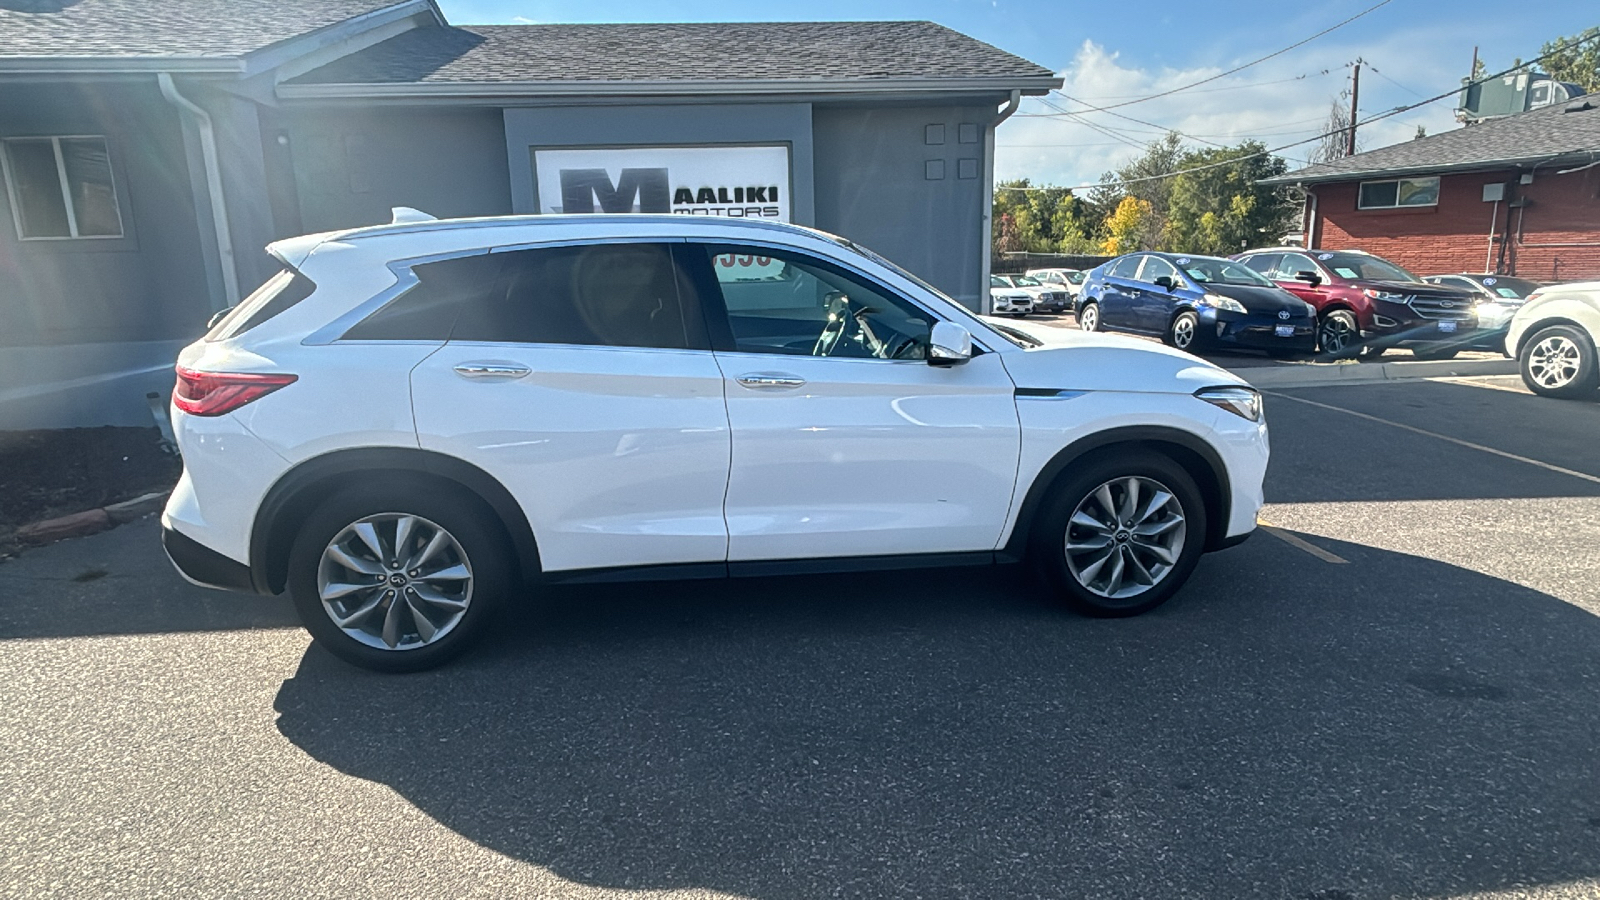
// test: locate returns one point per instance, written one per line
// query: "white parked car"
(414, 424)
(1046, 298)
(1007, 300)
(1069, 280)
(1553, 336)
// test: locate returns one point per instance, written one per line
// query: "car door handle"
(765, 380)
(491, 370)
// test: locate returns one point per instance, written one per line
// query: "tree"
(1039, 219)
(1577, 59)
(1129, 228)
(1335, 141)
(1220, 209)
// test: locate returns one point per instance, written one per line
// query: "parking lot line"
(1298, 543)
(1443, 437)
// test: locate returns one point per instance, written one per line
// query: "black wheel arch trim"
(292, 497)
(1216, 490)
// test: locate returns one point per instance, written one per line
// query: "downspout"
(984, 305)
(209, 160)
(1311, 219)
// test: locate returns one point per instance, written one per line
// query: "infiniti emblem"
(1283, 314)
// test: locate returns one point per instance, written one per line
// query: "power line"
(1233, 87)
(1367, 121)
(1247, 65)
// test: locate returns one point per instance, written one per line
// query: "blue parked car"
(1196, 301)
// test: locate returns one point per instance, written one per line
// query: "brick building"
(1519, 195)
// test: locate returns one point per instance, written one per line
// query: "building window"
(1400, 192)
(61, 187)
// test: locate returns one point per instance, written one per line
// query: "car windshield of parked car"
(1508, 288)
(1025, 281)
(995, 281)
(1077, 277)
(1358, 266)
(1222, 271)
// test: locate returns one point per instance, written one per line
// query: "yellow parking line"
(1443, 437)
(1295, 541)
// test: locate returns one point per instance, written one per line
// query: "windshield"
(1077, 277)
(1221, 271)
(1359, 266)
(1024, 281)
(997, 281)
(1508, 288)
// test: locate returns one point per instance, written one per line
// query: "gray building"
(151, 148)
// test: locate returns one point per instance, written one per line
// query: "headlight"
(1244, 402)
(1221, 302)
(1385, 295)
(1311, 311)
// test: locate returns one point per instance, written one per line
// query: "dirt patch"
(44, 474)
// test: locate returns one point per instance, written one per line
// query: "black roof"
(171, 29)
(688, 52)
(1552, 134)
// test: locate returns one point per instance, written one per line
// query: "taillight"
(218, 393)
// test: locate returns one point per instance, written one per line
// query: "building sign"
(735, 182)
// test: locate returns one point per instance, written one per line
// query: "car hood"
(1258, 299)
(1072, 360)
(1415, 288)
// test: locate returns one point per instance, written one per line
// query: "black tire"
(1338, 334)
(1370, 353)
(1048, 543)
(477, 534)
(1559, 361)
(1428, 353)
(1089, 316)
(1183, 332)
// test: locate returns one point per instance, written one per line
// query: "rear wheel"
(398, 578)
(1559, 361)
(1089, 316)
(1120, 534)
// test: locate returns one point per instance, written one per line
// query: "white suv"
(1553, 337)
(414, 423)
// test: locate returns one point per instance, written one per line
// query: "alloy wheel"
(1183, 332)
(395, 581)
(1335, 336)
(1125, 537)
(1554, 362)
(1089, 318)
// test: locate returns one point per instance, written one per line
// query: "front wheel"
(1559, 361)
(1120, 534)
(1183, 330)
(1089, 316)
(398, 578)
(1338, 335)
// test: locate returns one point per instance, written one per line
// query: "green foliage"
(1579, 63)
(1041, 220)
(1221, 210)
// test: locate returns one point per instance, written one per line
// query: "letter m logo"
(580, 188)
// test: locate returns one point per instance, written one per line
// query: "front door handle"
(491, 370)
(770, 380)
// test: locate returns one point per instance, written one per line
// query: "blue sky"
(1112, 51)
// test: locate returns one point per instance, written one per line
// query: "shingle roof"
(173, 29)
(1550, 133)
(698, 52)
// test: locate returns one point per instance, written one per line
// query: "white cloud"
(1268, 102)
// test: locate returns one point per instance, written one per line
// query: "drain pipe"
(985, 305)
(208, 157)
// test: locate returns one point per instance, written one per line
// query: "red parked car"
(1366, 304)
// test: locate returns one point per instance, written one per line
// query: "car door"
(1117, 299)
(581, 377)
(846, 442)
(1153, 305)
(1286, 273)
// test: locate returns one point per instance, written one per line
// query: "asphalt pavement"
(1394, 693)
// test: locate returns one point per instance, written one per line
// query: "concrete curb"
(1333, 375)
(91, 521)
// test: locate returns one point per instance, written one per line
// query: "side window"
(1126, 267)
(1291, 265)
(427, 312)
(275, 295)
(609, 295)
(1265, 263)
(780, 301)
(1155, 267)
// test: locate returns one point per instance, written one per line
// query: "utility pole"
(1355, 97)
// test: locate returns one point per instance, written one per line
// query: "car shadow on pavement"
(1396, 726)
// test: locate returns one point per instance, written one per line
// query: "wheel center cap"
(1122, 537)
(397, 579)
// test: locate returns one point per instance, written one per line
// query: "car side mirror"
(1310, 278)
(1165, 282)
(217, 316)
(949, 345)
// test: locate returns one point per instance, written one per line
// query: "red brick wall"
(1562, 211)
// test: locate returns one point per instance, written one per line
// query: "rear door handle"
(491, 370)
(770, 380)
